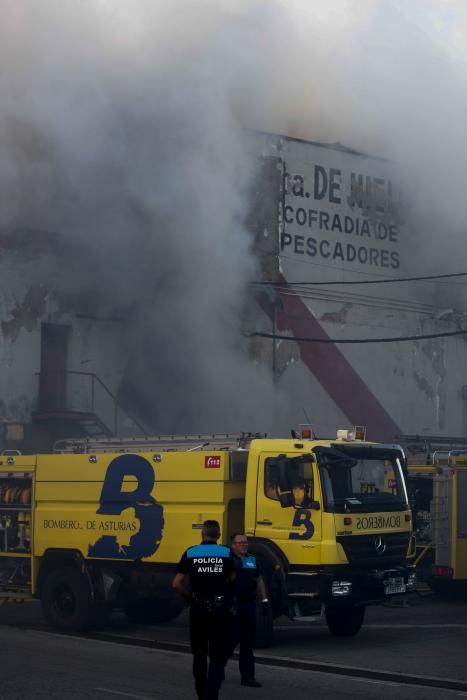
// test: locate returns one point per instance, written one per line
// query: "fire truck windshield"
(362, 479)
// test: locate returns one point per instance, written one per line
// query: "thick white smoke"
(121, 128)
(387, 77)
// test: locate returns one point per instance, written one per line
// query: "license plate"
(394, 585)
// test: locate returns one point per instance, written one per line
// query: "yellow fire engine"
(101, 524)
(438, 496)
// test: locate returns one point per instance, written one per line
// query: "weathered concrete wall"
(24, 301)
(408, 387)
(29, 297)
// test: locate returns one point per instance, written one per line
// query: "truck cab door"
(288, 503)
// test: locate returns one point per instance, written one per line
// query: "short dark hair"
(234, 535)
(212, 529)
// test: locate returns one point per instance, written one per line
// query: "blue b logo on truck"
(302, 517)
(115, 500)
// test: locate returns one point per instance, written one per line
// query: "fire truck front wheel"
(345, 622)
(67, 600)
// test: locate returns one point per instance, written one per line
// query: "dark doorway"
(54, 353)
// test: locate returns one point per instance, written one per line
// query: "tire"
(152, 611)
(264, 637)
(67, 600)
(345, 622)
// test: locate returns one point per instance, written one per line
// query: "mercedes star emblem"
(380, 545)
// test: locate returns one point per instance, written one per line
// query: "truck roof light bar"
(358, 432)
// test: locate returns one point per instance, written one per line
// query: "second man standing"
(248, 586)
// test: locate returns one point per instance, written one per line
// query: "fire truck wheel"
(66, 600)
(152, 611)
(345, 622)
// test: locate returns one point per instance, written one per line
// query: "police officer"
(248, 585)
(211, 569)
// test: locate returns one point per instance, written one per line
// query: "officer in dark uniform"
(211, 569)
(248, 585)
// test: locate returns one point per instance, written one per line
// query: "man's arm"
(261, 588)
(179, 578)
(235, 564)
(177, 585)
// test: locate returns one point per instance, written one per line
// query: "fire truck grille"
(387, 549)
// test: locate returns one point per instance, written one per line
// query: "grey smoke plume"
(118, 129)
(387, 77)
(121, 128)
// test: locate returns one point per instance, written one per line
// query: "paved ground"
(425, 636)
(41, 665)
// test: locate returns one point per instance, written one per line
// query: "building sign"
(340, 209)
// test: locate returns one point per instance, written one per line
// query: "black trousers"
(209, 634)
(244, 631)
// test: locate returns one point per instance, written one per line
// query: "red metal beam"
(333, 371)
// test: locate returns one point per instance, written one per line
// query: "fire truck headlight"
(411, 581)
(341, 588)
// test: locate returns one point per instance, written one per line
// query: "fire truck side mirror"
(286, 499)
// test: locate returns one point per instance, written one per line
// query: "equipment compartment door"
(16, 496)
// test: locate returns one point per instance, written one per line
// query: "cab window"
(297, 477)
